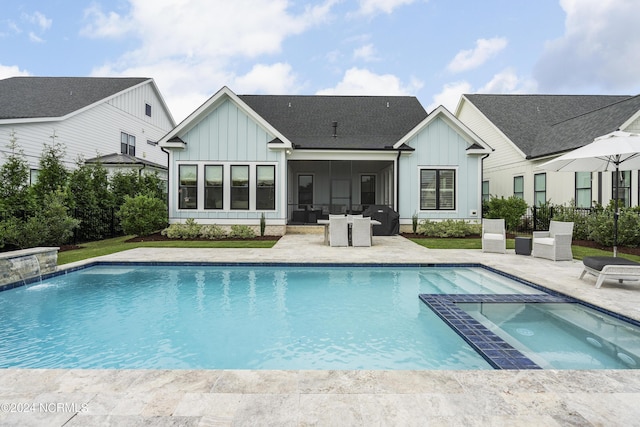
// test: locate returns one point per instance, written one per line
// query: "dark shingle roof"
(123, 159)
(363, 122)
(40, 97)
(541, 125)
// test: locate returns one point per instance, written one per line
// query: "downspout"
(397, 189)
(481, 181)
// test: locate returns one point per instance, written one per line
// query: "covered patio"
(317, 188)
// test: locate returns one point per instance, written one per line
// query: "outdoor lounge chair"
(554, 244)
(338, 231)
(494, 238)
(611, 268)
(361, 232)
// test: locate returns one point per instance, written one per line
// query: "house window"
(33, 176)
(539, 189)
(213, 187)
(624, 187)
(485, 191)
(127, 144)
(188, 191)
(367, 190)
(518, 187)
(583, 189)
(265, 187)
(437, 189)
(240, 187)
(305, 190)
(147, 110)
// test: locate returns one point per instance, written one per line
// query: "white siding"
(96, 131)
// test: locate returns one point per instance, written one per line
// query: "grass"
(118, 244)
(579, 252)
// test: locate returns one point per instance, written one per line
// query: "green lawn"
(118, 244)
(579, 252)
(109, 246)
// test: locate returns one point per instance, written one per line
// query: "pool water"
(562, 336)
(239, 317)
(125, 316)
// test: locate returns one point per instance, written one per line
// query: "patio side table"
(523, 245)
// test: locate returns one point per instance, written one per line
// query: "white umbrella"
(605, 153)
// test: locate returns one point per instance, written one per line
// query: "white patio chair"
(494, 236)
(361, 232)
(338, 231)
(554, 244)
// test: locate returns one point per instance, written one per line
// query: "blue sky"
(433, 49)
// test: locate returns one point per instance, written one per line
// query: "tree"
(15, 194)
(53, 174)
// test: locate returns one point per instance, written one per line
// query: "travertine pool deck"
(77, 397)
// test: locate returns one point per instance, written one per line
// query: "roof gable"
(56, 97)
(475, 144)
(541, 125)
(361, 122)
(173, 140)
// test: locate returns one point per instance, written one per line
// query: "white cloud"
(599, 49)
(473, 58)
(39, 19)
(189, 46)
(7, 71)
(358, 81)
(365, 53)
(272, 79)
(506, 82)
(450, 95)
(105, 25)
(370, 7)
(34, 38)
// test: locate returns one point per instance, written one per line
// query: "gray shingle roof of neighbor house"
(361, 122)
(41, 97)
(123, 159)
(542, 125)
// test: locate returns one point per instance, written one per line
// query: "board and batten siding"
(227, 136)
(438, 146)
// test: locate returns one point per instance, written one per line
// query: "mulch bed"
(157, 237)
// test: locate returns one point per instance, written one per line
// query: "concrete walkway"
(338, 398)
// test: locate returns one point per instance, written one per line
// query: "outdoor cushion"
(544, 241)
(598, 262)
(492, 236)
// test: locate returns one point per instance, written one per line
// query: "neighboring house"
(91, 117)
(299, 158)
(528, 130)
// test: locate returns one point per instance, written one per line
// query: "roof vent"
(335, 129)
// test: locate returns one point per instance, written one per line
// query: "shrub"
(59, 225)
(242, 232)
(142, 215)
(263, 224)
(448, 228)
(579, 218)
(190, 229)
(213, 232)
(511, 209)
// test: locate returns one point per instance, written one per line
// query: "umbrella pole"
(615, 218)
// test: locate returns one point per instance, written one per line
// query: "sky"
(435, 50)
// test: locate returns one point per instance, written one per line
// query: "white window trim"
(226, 173)
(456, 188)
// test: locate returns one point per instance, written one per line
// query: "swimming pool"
(130, 316)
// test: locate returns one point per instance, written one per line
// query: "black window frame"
(519, 194)
(213, 193)
(265, 192)
(437, 189)
(368, 197)
(187, 191)
(579, 190)
(537, 192)
(240, 194)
